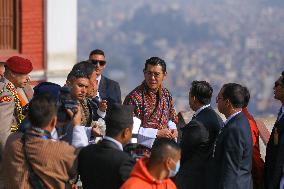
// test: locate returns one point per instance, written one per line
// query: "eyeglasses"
(155, 74)
(218, 98)
(101, 62)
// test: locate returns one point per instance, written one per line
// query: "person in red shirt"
(257, 161)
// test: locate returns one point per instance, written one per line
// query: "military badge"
(5, 99)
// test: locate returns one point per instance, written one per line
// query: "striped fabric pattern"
(155, 110)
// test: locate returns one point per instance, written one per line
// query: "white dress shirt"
(200, 109)
(118, 144)
(81, 136)
(231, 116)
(147, 136)
(98, 92)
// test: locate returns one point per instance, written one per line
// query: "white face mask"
(174, 172)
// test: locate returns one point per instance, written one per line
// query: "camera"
(65, 102)
(63, 98)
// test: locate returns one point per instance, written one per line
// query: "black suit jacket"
(109, 90)
(103, 166)
(197, 141)
(274, 159)
(232, 161)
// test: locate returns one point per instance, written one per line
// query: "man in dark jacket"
(274, 159)
(232, 154)
(109, 90)
(105, 165)
(198, 137)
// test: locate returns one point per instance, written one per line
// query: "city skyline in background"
(218, 41)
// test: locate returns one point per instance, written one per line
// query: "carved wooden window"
(9, 26)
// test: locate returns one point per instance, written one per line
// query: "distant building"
(44, 31)
(253, 43)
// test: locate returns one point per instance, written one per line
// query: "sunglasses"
(101, 62)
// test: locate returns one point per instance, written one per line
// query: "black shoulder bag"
(34, 180)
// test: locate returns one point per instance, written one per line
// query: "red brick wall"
(33, 32)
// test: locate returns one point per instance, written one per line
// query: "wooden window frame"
(10, 16)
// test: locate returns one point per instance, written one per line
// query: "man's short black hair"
(163, 148)
(247, 96)
(77, 73)
(113, 129)
(202, 90)
(119, 117)
(85, 66)
(155, 61)
(41, 109)
(97, 51)
(235, 94)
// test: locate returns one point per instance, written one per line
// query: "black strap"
(34, 180)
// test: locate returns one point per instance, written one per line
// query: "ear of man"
(53, 121)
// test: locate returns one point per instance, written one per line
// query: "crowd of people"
(51, 136)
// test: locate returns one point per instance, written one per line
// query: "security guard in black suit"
(232, 154)
(105, 165)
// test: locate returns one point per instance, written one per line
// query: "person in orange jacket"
(257, 161)
(155, 171)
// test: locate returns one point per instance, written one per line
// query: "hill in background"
(215, 40)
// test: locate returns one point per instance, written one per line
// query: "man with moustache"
(15, 76)
(11, 114)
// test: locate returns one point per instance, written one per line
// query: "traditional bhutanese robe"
(155, 110)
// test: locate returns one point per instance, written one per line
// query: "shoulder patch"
(5, 99)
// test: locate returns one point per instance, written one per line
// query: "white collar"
(54, 134)
(99, 78)
(231, 116)
(98, 92)
(201, 108)
(282, 113)
(118, 144)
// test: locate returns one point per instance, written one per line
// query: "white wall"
(61, 38)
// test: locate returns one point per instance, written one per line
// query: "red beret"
(19, 65)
